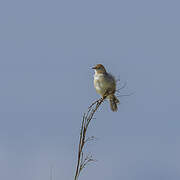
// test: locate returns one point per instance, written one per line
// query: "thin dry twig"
(118, 91)
(122, 87)
(87, 117)
(122, 95)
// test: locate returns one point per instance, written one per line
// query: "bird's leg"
(107, 92)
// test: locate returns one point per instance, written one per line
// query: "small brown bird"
(105, 85)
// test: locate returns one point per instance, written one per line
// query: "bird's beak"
(93, 67)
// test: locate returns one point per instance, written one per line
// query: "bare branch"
(92, 138)
(122, 87)
(122, 95)
(87, 117)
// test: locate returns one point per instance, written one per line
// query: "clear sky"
(47, 49)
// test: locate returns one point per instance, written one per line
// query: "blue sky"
(46, 83)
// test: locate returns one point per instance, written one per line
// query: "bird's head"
(99, 68)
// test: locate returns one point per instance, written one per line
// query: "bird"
(105, 85)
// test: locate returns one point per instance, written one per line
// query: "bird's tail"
(113, 102)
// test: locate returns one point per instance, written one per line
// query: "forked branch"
(87, 117)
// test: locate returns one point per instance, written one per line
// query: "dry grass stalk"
(87, 117)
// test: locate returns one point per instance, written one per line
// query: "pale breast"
(104, 82)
